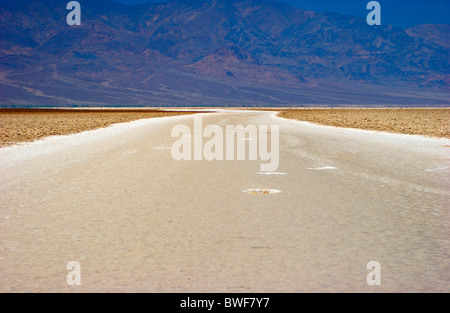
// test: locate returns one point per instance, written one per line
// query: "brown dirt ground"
(26, 125)
(433, 122)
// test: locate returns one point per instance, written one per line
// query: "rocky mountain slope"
(217, 52)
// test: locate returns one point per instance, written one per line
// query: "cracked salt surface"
(161, 148)
(323, 168)
(436, 169)
(258, 191)
(271, 173)
(56, 144)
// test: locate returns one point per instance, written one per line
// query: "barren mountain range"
(214, 53)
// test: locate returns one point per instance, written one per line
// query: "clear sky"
(403, 13)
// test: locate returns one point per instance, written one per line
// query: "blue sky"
(403, 13)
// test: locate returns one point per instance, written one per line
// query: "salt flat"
(115, 201)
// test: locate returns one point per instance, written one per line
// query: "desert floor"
(431, 122)
(114, 200)
(19, 125)
(26, 125)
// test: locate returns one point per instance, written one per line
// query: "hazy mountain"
(194, 52)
